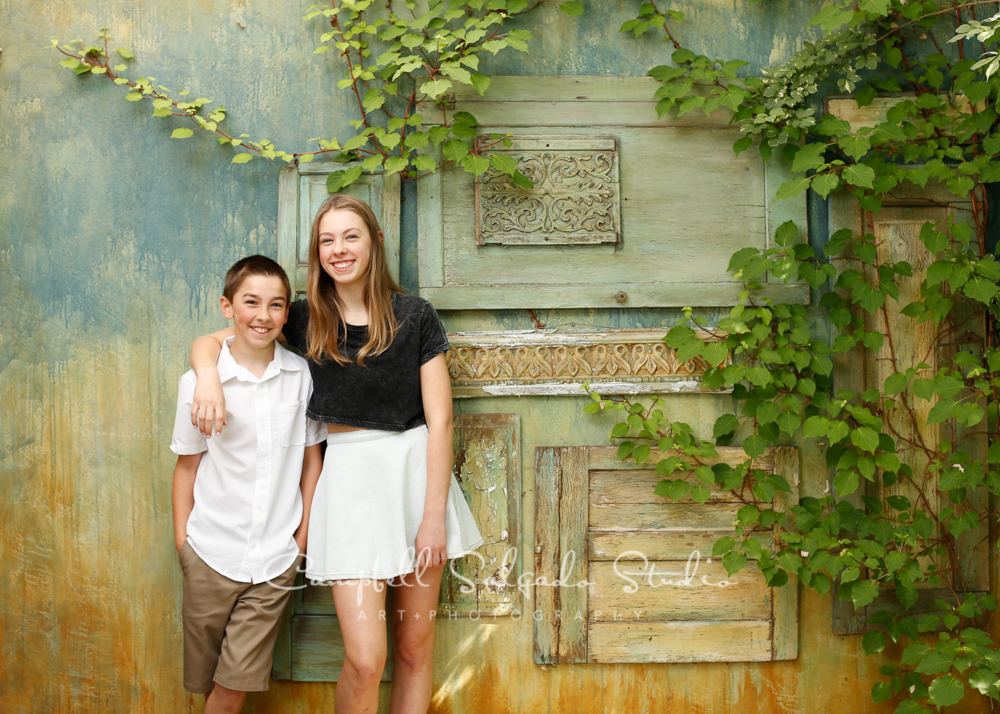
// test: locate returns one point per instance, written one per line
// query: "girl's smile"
(345, 247)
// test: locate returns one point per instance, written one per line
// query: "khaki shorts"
(230, 627)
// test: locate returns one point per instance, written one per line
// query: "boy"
(241, 500)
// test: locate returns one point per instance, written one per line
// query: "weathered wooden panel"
(548, 493)
(647, 562)
(488, 468)
(726, 641)
(699, 589)
(659, 545)
(628, 486)
(897, 229)
(663, 516)
(318, 654)
(457, 270)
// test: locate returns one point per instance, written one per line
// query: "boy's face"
(259, 308)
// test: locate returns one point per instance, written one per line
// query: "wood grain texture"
(488, 469)
(734, 641)
(660, 545)
(574, 569)
(644, 591)
(548, 491)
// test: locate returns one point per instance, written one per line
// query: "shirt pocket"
(292, 423)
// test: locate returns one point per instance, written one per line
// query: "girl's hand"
(431, 545)
(208, 408)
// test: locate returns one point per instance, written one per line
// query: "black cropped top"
(385, 393)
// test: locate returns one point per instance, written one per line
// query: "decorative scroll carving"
(551, 362)
(574, 199)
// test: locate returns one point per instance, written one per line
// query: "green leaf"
(480, 81)
(476, 164)
(423, 162)
(339, 180)
(572, 8)
(504, 163)
(792, 188)
(863, 592)
(240, 158)
(866, 438)
(134, 96)
(435, 88)
(727, 424)
(824, 184)
(715, 353)
(125, 53)
(455, 150)
(70, 62)
(945, 691)
(734, 562)
(183, 133)
(395, 164)
(786, 234)
(855, 146)
(873, 642)
(683, 55)
(808, 157)
(754, 445)
(859, 175)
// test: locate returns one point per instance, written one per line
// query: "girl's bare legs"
(413, 614)
(361, 611)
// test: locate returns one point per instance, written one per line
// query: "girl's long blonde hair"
(325, 311)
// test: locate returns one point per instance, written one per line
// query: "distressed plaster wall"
(113, 243)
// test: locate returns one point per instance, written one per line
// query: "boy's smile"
(259, 309)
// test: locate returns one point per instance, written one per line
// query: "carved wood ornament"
(575, 198)
(549, 362)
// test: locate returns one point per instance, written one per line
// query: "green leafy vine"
(398, 66)
(901, 499)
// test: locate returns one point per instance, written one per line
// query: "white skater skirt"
(369, 503)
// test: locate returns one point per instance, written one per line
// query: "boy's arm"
(312, 465)
(209, 404)
(182, 495)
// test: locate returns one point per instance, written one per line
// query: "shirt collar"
(229, 368)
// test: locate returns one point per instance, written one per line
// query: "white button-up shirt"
(247, 501)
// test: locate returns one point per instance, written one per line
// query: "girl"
(386, 509)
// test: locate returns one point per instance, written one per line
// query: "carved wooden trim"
(575, 198)
(554, 363)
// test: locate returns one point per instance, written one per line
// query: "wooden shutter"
(897, 229)
(591, 509)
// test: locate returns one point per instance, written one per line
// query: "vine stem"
(939, 12)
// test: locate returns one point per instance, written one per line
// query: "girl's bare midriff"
(337, 428)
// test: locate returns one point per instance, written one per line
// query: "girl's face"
(345, 247)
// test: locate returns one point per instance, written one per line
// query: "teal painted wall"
(113, 243)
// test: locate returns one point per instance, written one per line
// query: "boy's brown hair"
(254, 265)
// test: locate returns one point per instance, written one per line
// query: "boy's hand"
(208, 408)
(179, 543)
